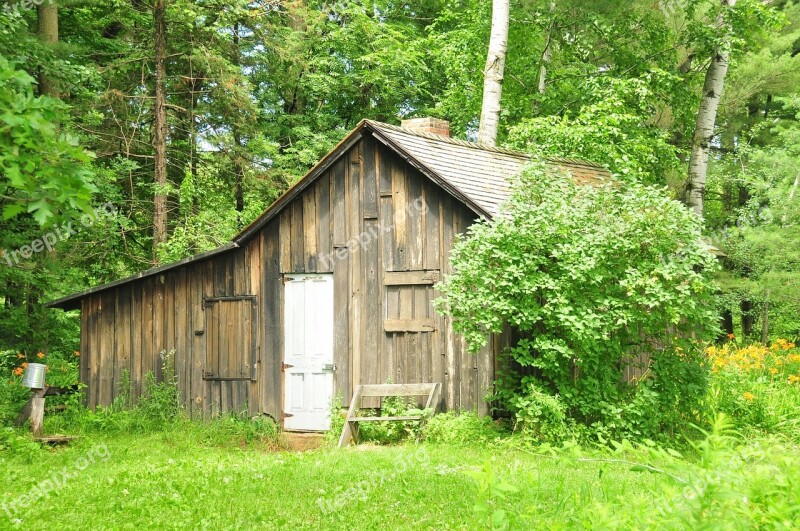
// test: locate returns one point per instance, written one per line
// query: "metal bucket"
(34, 376)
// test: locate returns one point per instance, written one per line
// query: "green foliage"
(44, 171)
(591, 277)
(614, 128)
(459, 429)
(541, 416)
(394, 431)
(740, 483)
(756, 387)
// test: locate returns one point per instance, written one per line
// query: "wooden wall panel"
(360, 220)
(324, 262)
(311, 227)
(85, 352)
(272, 353)
(357, 272)
(297, 239)
(92, 353)
(123, 340)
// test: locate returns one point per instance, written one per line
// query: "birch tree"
(493, 73)
(707, 115)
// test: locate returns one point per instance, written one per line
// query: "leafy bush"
(454, 428)
(591, 277)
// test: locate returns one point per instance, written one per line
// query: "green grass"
(193, 475)
(173, 480)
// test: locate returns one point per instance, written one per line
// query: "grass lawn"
(174, 480)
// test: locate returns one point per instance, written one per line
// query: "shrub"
(453, 428)
(590, 277)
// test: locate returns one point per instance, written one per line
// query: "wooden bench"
(350, 428)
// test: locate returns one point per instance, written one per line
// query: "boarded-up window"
(409, 296)
(230, 335)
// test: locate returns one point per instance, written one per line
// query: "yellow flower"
(24, 365)
(77, 353)
(40, 355)
(748, 396)
(773, 371)
(18, 371)
(21, 356)
(794, 379)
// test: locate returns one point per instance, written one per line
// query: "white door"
(308, 354)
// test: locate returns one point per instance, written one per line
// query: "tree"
(590, 278)
(707, 114)
(160, 128)
(44, 173)
(47, 15)
(493, 73)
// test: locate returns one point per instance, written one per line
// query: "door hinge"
(286, 415)
(285, 366)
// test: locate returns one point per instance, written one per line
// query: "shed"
(329, 288)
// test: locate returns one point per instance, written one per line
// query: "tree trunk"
(746, 308)
(493, 73)
(47, 31)
(792, 191)
(160, 129)
(727, 324)
(765, 322)
(547, 53)
(706, 120)
(237, 137)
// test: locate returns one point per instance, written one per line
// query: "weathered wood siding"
(377, 224)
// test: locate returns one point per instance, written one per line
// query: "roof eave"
(72, 302)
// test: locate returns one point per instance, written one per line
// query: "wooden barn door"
(308, 355)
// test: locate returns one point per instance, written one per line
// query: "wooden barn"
(330, 288)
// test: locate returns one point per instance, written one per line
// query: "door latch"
(329, 367)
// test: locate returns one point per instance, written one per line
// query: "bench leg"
(349, 432)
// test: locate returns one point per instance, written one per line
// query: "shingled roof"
(481, 173)
(478, 175)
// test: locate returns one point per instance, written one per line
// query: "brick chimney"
(427, 125)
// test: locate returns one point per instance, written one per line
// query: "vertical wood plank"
(310, 227)
(432, 227)
(258, 259)
(149, 341)
(369, 173)
(83, 361)
(324, 226)
(297, 238)
(272, 323)
(450, 386)
(355, 225)
(159, 326)
(92, 353)
(415, 221)
(197, 285)
(372, 322)
(137, 311)
(400, 217)
(211, 330)
(285, 240)
(106, 359)
(124, 339)
(339, 203)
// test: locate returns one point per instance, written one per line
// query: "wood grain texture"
(385, 232)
